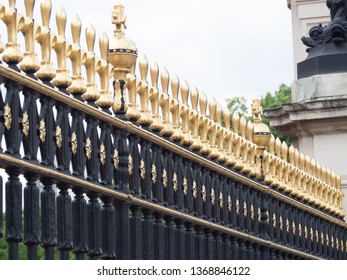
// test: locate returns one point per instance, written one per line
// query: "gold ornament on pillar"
(122, 54)
(261, 135)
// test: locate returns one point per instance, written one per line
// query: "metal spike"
(143, 65)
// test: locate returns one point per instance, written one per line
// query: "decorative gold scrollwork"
(221, 200)
(317, 236)
(142, 169)
(281, 223)
(175, 182)
(213, 197)
(322, 238)
(230, 204)
(42, 129)
(268, 217)
(130, 164)
(25, 123)
(294, 228)
(252, 212)
(102, 154)
(115, 159)
(165, 178)
(306, 232)
(185, 186)
(7, 116)
(58, 137)
(259, 215)
(274, 221)
(74, 143)
(287, 225)
(154, 173)
(195, 190)
(88, 148)
(245, 209)
(237, 206)
(300, 230)
(203, 193)
(311, 234)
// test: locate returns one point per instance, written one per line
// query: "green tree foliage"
(281, 96)
(237, 104)
(269, 101)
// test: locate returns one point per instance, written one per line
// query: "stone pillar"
(316, 119)
(305, 14)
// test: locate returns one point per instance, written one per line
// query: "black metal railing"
(99, 187)
(167, 182)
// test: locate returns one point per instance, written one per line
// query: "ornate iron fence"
(167, 181)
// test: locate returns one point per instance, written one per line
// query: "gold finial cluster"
(174, 109)
(290, 171)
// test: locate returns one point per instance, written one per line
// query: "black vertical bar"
(181, 243)
(134, 178)
(159, 236)
(62, 134)
(177, 182)
(108, 229)
(1, 207)
(2, 125)
(209, 248)
(46, 131)
(48, 223)
(168, 193)
(241, 191)
(158, 174)
(199, 243)
(234, 212)
(92, 160)
(257, 253)
(170, 238)
(146, 177)
(218, 255)
(13, 133)
(78, 140)
(250, 250)
(105, 155)
(215, 212)
(13, 213)
(30, 138)
(227, 254)
(147, 235)
(192, 249)
(256, 212)
(234, 248)
(125, 167)
(136, 233)
(64, 222)
(122, 230)
(249, 205)
(31, 216)
(189, 195)
(94, 226)
(79, 224)
(243, 249)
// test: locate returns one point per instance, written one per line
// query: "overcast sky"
(225, 48)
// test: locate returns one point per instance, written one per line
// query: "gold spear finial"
(89, 61)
